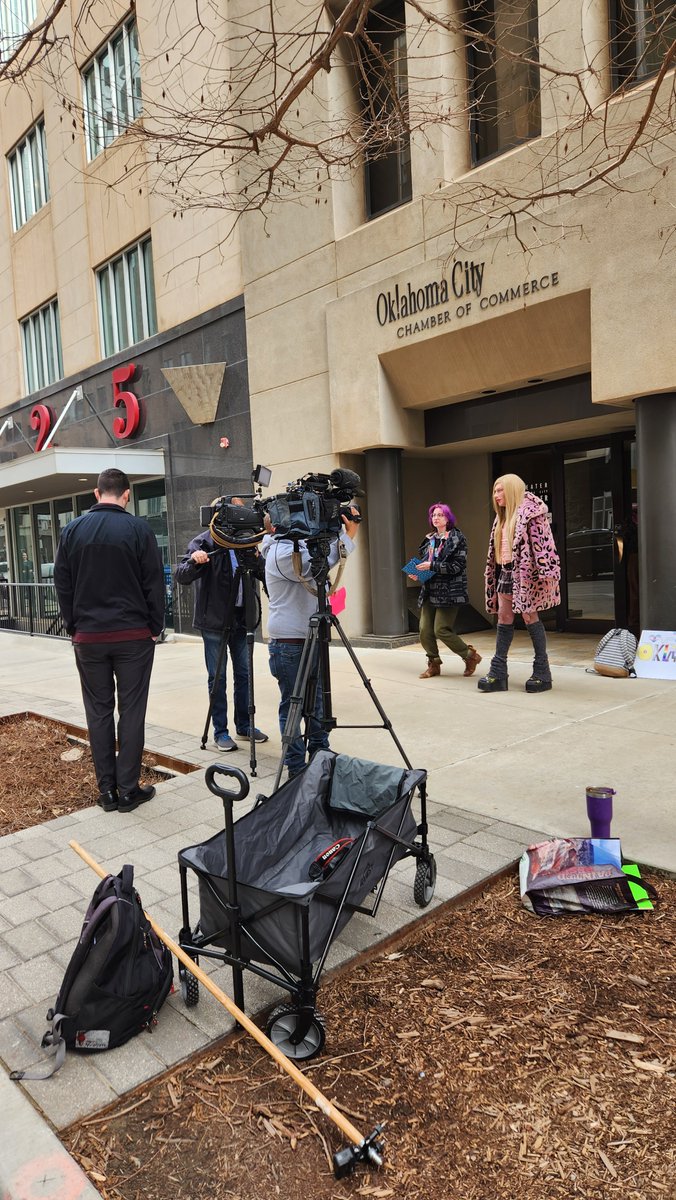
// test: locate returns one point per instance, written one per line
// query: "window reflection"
(589, 534)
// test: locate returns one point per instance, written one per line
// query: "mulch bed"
(44, 775)
(507, 1055)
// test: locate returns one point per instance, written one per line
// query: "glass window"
(23, 541)
(112, 89)
(16, 18)
(504, 78)
(93, 126)
(148, 288)
(589, 533)
(108, 112)
(5, 574)
(641, 33)
(119, 270)
(41, 340)
(64, 511)
(383, 91)
(127, 298)
(28, 182)
(150, 501)
(134, 70)
(46, 542)
(84, 502)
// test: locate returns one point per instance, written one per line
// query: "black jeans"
(102, 667)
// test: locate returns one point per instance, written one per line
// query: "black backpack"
(117, 980)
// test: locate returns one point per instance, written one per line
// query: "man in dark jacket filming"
(109, 580)
(212, 570)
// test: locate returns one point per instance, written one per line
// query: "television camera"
(311, 507)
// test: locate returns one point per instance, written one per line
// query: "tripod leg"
(293, 696)
(251, 616)
(387, 724)
(252, 707)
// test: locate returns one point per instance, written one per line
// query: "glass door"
(589, 537)
(589, 488)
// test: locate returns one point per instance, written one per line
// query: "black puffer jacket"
(448, 585)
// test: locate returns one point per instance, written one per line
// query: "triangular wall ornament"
(197, 388)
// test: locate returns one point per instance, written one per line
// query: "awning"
(66, 472)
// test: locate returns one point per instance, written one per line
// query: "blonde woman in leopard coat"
(522, 576)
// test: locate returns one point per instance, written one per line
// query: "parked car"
(589, 554)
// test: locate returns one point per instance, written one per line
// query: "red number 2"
(126, 426)
(42, 419)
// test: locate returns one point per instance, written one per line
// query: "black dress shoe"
(132, 800)
(108, 800)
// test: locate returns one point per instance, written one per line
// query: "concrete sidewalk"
(504, 769)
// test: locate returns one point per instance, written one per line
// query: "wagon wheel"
(283, 1023)
(425, 881)
(190, 988)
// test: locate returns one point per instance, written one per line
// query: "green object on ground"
(637, 890)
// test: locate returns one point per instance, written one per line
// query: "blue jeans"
(284, 662)
(238, 657)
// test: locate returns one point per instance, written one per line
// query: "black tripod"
(244, 577)
(314, 667)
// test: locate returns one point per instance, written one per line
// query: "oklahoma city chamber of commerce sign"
(456, 294)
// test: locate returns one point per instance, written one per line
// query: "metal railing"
(31, 608)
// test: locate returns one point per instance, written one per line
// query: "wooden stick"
(325, 1106)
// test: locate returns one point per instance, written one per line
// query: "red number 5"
(126, 426)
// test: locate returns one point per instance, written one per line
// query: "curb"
(34, 1165)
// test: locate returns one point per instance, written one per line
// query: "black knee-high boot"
(497, 678)
(541, 679)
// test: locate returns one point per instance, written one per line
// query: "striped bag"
(615, 654)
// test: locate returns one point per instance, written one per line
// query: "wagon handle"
(235, 773)
(363, 1149)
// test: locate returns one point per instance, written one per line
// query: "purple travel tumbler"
(600, 810)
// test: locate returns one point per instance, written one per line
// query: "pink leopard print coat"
(537, 570)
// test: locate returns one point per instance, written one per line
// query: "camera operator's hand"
(351, 527)
(200, 557)
(267, 524)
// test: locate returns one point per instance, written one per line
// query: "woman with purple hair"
(444, 550)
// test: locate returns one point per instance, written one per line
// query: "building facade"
(415, 319)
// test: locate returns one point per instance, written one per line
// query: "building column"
(386, 541)
(656, 455)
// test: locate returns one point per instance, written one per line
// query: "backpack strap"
(127, 881)
(52, 1040)
(54, 1044)
(629, 651)
(604, 642)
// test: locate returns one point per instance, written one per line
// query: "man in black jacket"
(212, 571)
(109, 579)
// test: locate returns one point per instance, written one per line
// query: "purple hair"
(450, 519)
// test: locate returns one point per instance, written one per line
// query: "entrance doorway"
(589, 488)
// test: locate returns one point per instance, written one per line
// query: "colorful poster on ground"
(656, 654)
